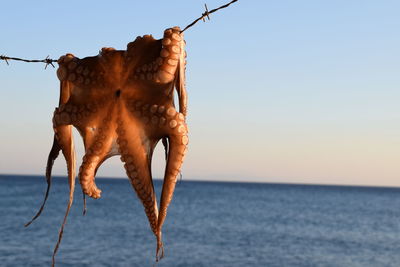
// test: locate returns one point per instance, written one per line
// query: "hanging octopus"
(122, 103)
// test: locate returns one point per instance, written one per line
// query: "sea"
(208, 224)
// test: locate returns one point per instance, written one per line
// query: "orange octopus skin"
(122, 103)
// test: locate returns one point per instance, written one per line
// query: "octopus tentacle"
(136, 151)
(178, 140)
(95, 155)
(65, 139)
(55, 150)
(63, 136)
(170, 54)
(180, 82)
(65, 94)
(84, 203)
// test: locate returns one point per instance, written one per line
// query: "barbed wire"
(48, 61)
(207, 13)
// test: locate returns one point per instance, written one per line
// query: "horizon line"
(221, 181)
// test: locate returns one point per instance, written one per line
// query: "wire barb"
(207, 13)
(49, 61)
(2, 57)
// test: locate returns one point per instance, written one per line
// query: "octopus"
(122, 103)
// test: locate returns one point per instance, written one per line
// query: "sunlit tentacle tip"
(160, 251)
(93, 193)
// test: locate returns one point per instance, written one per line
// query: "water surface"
(208, 224)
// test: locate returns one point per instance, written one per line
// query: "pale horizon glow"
(282, 92)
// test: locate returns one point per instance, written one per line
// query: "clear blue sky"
(279, 91)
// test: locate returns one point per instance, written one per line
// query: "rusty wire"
(48, 61)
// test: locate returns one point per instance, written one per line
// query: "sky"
(279, 91)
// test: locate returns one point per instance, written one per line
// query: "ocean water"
(208, 224)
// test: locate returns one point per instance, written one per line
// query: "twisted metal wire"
(206, 14)
(48, 61)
